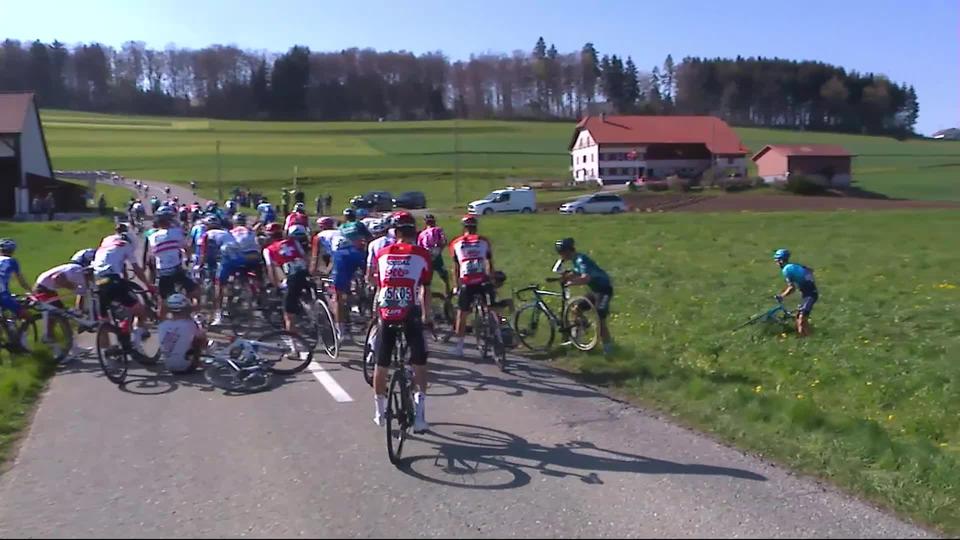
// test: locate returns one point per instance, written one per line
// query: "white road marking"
(329, 383)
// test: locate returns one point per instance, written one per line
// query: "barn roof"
(711, 131)
(814, 150)
(13, 112)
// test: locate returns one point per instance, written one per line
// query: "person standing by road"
(102, 205)
(285, 201)
(318, 204)
(50, 205)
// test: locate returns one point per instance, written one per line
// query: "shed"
(832, 162)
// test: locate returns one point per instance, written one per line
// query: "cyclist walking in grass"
(799, 277)
(586, 272)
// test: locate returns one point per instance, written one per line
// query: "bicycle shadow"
(474, 457)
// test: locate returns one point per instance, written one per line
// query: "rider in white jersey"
(109, 268)
(247, 246)
(167, 245)
(217, 247)
(380, 240)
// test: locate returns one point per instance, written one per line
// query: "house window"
(729, 161)
(591, 158)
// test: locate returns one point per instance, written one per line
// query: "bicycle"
(18, 333)
(57, 333)
(777, 314)
(578, 316)
(241, 366)
(400, 401)
(486, 330)
(115, 339)
(443, 314)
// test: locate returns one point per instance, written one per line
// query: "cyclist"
(231, 206)
(71, 276)
(350, 216)
(302, 236)
(109, 267)
(218, 254)
(249, 248)
(403, 276)
(297, 217)
(167, 246)
(799, 277)
(347, 259)
(10, 267)
(211, 209)
(184, 214)
(166, 191)
(433, 239)
(193, 186)
(380, 240)
(181, 338)
(586, 272)
(287, 255)
(473, 264)
(322, 244)
(154, 204)
(266, 211)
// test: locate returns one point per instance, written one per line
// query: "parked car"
(380, 201)
(598, 203)
(410, 199)
(517, 200)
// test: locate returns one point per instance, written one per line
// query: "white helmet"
(296, 231)
(177, 302)
(378, 227)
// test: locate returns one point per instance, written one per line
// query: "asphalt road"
(529, 453)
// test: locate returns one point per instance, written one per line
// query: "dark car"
(410, 199)
(380, 201)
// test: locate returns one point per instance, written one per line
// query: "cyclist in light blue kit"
(799, 277)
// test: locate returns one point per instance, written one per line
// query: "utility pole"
(296, 169)
(219, 175)
(456, 161)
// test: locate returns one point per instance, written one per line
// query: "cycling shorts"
(9, 303)
(469, 293)
(439, 268)
(601, 298)
(806, 304)
(115, 289)
(296, 284)
(167, 284)
(412, 329)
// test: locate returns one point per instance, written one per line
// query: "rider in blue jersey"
(266, 212)
(10, 267)
(799, 277)
(348, 258)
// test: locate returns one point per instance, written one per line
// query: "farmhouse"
(25, 170)
(830, 161)
(618, 149)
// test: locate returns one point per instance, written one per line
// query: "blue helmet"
(781, 255)
(362, 213)
(7, 245)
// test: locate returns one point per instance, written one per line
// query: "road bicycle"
(116, 343)
(486, 330)
(536, 323)
(56, 331)
(247, 365)
(777, 314)
(443, 314)
(401, 410)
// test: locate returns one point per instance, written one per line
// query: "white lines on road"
(329, 383)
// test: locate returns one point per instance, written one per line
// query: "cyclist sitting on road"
(403, 277)
(10, 267)
(181, 338)
(297, 217)
(799, 277)
(266, 211)
(167, 246)
(433, 239)
(219, 255)
(109, 266)
(322, 244)
(586, 272)
(287, 255)
(473, 264)
(249, 248)
(347, 260)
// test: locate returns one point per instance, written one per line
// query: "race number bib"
(474, 266)
(395, 297)
(295, 266)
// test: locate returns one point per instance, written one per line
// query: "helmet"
(240, 219)
(120, 228)
(176, 199)
(403, 220)
(83, 257)
(469, 221)
(378, 227)
(7, 245)
(261, 200)
(351, 231)
(126, 237)
(274, 230)
(781, 255)
(564, 244)
(498, 278)
(297, 231)
(231, 203)
(430, 220)
(326, 223)
(177, 302)
(165, 212)
(362, 213)
(212, 222)
(211, 205)
(349, 213)
(299, 207)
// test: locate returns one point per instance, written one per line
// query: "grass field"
(869, 402)
(39, 246)
(352, 157)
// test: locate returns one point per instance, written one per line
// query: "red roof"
(13, 112)
(817, 150)
(708, 130)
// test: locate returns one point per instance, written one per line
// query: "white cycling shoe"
(420, 424)
(381, 410)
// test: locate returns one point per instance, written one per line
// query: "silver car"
(598, 203)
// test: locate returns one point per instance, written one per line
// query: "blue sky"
(917, 41)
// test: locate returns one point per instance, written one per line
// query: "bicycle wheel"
(399, 414)
(479, 332)
(111, 353)
(534, 328)
(284, 352)
(369, 352)
(441, 313)
(58, 337)
(496, 341)
(582, 321)
(224, 376)
(327, 330)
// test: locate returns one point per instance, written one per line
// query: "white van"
(517, 200)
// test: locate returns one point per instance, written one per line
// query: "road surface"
(529, 453)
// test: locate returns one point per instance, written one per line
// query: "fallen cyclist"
(182, 340)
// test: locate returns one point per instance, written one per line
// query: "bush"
(710, 177)
(656, 185)
(801, 184)
(675, 183)
(736, 184)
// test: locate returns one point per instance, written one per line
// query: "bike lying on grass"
(779, 314)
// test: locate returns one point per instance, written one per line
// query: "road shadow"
(474, 457)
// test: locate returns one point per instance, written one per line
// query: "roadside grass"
(116, 196)
(40, 245)
(868, 402)
(346, 158)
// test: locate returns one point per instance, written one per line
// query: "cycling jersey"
(138, 209)
(8, 267)
(267, 213)
(112, 256)
(471, 251)
(433, 240)
(72, 272)
(166, 246)
(800, 277)
(346, 261)
(599, 280)
(400, 269)
(176, 338)
(374, 247)
(217, 243)
(196, 233)
(287, 254)
(296, 218)
(331, 239)
(246, 239)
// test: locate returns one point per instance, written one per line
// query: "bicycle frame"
(539, 295)
(769, 315)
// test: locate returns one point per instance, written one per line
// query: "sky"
(912, 41)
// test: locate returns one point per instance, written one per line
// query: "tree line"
(223, 81)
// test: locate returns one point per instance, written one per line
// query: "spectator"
(300, 196)
(102, 205)
(329, 201)
(285, 201)
(36, 206)
(50, 205)
(319, 204)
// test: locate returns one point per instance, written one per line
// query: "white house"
(618, 149)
